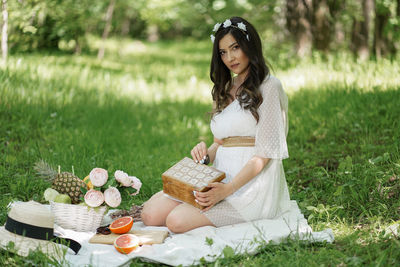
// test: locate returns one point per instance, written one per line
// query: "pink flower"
(94, 198)
(123, 178)
(136, 183)
(98, 176)
(112, 197)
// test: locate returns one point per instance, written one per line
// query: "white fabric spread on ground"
(190, 247)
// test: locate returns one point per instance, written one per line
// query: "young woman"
(249, 125)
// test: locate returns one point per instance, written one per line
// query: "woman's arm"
(212, 150)
(252, 168)
(220, 191)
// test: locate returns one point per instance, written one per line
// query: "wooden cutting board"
(146, 237)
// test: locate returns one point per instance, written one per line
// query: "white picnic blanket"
(188, 248)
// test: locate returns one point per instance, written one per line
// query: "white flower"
(212, 38)
(227, 23)
(136, 183)
(241, 26)
(112, 197)
(216, 27)
(122, 178)
(98, 176)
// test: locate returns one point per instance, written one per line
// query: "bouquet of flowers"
(113, 191)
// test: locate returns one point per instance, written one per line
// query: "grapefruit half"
(121, 225)
(126, 243)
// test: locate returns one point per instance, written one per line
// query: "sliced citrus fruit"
(88, 182)
(112, 197)
(94, 198)
(126, 243)
(121, 225)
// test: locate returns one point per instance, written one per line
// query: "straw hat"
(30, 225)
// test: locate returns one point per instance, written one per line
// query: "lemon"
(50, 194)
(63, 198)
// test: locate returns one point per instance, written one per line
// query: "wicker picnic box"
(181, 179)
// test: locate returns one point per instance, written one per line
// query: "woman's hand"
(218, 192)
(199, 152)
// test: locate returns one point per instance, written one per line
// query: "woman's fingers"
(195, 154)
(204, 203)
(203, 150)
(212, 196)
(199, 152)
(202, 198)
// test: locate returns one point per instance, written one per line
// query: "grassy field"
(144, 106)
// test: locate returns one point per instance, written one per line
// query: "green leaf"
(209, 241)
(338, 191)
(228, 252)
(83, 190)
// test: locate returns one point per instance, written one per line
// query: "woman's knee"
(149, 216)
(176, 223)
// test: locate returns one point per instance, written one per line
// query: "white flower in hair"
(216, 27)
(227, 23)
(241, 26)
(247, 36)
(212, 38)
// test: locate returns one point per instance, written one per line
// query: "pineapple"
(63, 182)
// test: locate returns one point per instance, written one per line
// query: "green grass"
(145, 105)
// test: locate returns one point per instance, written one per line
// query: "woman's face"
(233, 56)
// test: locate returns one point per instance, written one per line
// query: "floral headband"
(228, 23)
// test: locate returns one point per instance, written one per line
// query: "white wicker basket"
(77, 217)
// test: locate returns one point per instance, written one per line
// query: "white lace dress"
(266, 195)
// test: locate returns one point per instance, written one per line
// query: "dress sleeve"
(272, 127)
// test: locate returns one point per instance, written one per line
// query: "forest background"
(125, 85)
(368, 28)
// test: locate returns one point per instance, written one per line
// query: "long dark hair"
(248, 94)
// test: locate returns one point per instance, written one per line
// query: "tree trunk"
(126, 26)
(107, 28)
(397, 29)
(152, 33)
(299, 25)
(398, 9)
(322, 26)
(4, 34)
(382, 42)
(360, 31)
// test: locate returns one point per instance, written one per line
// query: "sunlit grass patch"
(136, 79)
(341, 71)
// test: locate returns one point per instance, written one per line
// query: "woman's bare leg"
(157, 208)
(185, 217)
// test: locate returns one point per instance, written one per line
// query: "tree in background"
(4, 33)
(387, 22)
(360, 36)
(107, 28)
(365, 27)
(298, 21)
